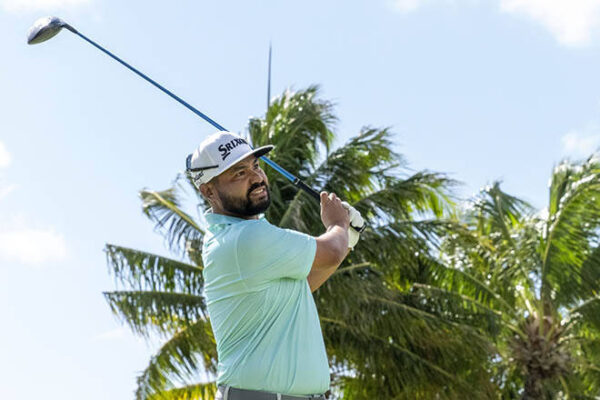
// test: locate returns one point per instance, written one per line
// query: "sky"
(480, 90)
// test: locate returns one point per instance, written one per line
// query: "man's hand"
(333, 211)
(332, 246)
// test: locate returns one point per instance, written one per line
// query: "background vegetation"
(441, 299)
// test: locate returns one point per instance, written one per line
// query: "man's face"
(243, 189)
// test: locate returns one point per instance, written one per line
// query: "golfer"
(258, 278)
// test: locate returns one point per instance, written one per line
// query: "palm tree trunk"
(533, 387)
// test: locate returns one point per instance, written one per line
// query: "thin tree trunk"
(533, 387)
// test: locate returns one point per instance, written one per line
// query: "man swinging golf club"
(258, 278)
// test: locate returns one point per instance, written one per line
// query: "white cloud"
(39, 5)
(32, 246)
(572, 22)
(581, 144)
(407, 5)
(5, 158)
(6, 190)
(5, 161)
(27, 245)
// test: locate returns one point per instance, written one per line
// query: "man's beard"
(246, 206)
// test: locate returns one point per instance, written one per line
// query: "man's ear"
(207, 191)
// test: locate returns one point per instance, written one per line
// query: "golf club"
(47, 27)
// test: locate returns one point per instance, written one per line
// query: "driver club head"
(45, 28)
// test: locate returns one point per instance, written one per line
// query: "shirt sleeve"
(266, 252)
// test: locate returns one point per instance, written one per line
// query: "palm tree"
(542, 272)
(383, 338)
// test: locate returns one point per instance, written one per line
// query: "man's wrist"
(340, 231)
(341, 224)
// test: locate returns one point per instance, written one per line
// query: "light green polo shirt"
(261, 309)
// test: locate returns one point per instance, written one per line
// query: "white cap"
(217, 153)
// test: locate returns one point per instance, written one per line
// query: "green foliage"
(178, 358)
(146, 271)
(162, 312)
(164, 210)
(491, 301)
(572, 233)
(544, 271)
(205, 391)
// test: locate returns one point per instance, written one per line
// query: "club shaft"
(289, 176)
(158, 85)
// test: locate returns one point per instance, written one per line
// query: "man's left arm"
(318, 276)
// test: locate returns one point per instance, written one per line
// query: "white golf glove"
(357, 225)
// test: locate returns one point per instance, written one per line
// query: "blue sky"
(482, 90)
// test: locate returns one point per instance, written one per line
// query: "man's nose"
(257, 176)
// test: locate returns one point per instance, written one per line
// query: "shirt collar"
(221, 219)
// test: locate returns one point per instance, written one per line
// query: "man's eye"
(240, 173)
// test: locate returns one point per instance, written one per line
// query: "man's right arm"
(332, 246)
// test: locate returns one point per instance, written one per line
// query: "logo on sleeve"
(226, 148)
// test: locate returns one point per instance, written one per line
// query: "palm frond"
(454, 279)
(375, 329)
(364, 173)
(151, 311)
(590, 271)
(422, 193)
(179, 360)
(399, 248)
(297, 123)
(373, 298)
(171, 221)
(140, 270)
(458, 308)
(581, 386)
(198, 391)
(378, 357)
(588, 312)
(302, 213)
(497, 242)
(359, 166)
(572, 229)
(495, 211)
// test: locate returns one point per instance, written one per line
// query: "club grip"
(307, 189)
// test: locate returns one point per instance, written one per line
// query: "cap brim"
(261, 151)
(258, 152)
